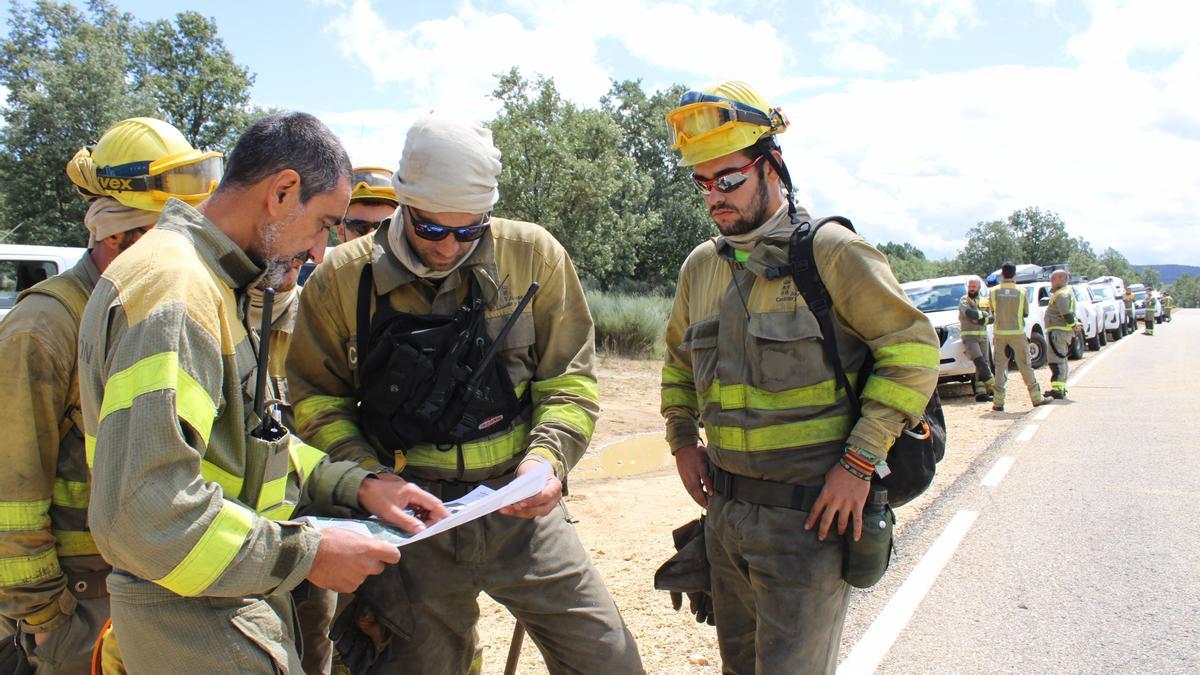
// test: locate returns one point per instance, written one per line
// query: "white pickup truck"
(938, 299)
(23, 266)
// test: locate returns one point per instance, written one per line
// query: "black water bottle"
(867, 559)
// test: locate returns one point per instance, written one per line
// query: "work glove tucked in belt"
(379, 613)
(687, 572)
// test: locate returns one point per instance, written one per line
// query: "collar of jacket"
(226, 259)
(770, 250)
(389, 273)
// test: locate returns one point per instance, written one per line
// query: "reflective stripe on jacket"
(550, 351)
(1010, 308)
(183, 495)
(43, 488)
(744, 356)
(1060, 313)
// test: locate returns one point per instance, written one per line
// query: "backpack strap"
(363, 310)
(802, 266)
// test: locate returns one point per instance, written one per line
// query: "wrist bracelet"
(857, 473)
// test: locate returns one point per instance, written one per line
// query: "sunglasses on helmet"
(434, 232)
(727, 181)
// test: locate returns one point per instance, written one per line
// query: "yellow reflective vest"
(183, 495)
(744, 358)
(43, 487)
(1010, 308)
(972, 318)
(1060, 313)
(550, 352)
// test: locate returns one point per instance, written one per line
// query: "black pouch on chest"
(423, 379)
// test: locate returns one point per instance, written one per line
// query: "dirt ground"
(626, 521)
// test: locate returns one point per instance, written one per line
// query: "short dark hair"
(1008, 270)
(288, 140)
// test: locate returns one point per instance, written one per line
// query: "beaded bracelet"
(854, 470)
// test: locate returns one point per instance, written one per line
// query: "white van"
(23, 266)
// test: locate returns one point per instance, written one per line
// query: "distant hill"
(1170, 273)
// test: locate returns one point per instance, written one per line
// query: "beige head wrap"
(107, 216)
(448, 165)
(82, 172)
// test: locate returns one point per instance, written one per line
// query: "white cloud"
(848, 34)
(943, 18)
(922, 160)
(1120, 29)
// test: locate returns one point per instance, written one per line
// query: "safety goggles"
(726, 181)
(434, 232)
(372, 183)
(166, 177)
(702, 115)
(361, 227)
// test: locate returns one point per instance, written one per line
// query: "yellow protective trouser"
(778, 594)
(1060, 343)
(1019, 346)
(202, 635)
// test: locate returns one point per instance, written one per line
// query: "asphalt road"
(1072, 544)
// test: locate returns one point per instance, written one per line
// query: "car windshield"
(937, 298)
(1102, 292)
(1140, 295)
(1081, 294)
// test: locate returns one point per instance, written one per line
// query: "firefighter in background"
(52, 578)
(974, 319)
(1010, 309)
(372, 201)
(1060, 322)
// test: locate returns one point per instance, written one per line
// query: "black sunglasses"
(434, 232)
(361, 227)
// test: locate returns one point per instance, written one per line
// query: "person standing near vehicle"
(973, 322)
(1150, 317)
(1060, 325)
(785, 465)
(52, 578)
(1130, 318)
(1168, 302)
(1010, 309)
(193, 501)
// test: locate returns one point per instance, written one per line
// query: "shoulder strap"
(67, 290)
(802, 265)
(363, 310)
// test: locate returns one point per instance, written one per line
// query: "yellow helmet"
(373, 183)
(141, 162)
(715, 121)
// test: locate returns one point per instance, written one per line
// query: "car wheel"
(1038, 350)
(1075, 351)
(1102, 336)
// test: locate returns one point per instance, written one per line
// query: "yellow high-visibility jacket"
(182, 494)
(550, 351)
(43, 488)
(744, 357)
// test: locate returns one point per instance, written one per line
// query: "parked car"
(23, 266)
(1139, 301)
(1090, 315)
(1160, 312)
(1113, 306)
(938, 299)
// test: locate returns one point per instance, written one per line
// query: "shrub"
(630, 325)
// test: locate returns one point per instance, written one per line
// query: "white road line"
(993, 477)
(882, 634)
(1074, 379)
(1027, 433)
(1043, 413)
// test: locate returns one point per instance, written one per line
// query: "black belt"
(449, 490)
(765, 492)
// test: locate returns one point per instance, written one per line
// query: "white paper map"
(478, 503)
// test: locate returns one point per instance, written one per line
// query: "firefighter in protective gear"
(1151, 310)
(1010, 308)
(442, 266)
(1060, 325)
(52, 578)
(744, 357)
(200, 532)
(371, 202)
(1168, 302)
(973, 321)
(1130, 320)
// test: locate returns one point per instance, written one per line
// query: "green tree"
(194, 81)
(683, 219)
(565, 168)
(1083, 260)
(1044, 238)
(1185, 291)
(1150, 276)
(989, 245)
(65, 70)
(1117, 265)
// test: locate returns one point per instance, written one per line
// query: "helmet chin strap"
(785, 176)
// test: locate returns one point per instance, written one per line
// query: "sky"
(914, 118)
